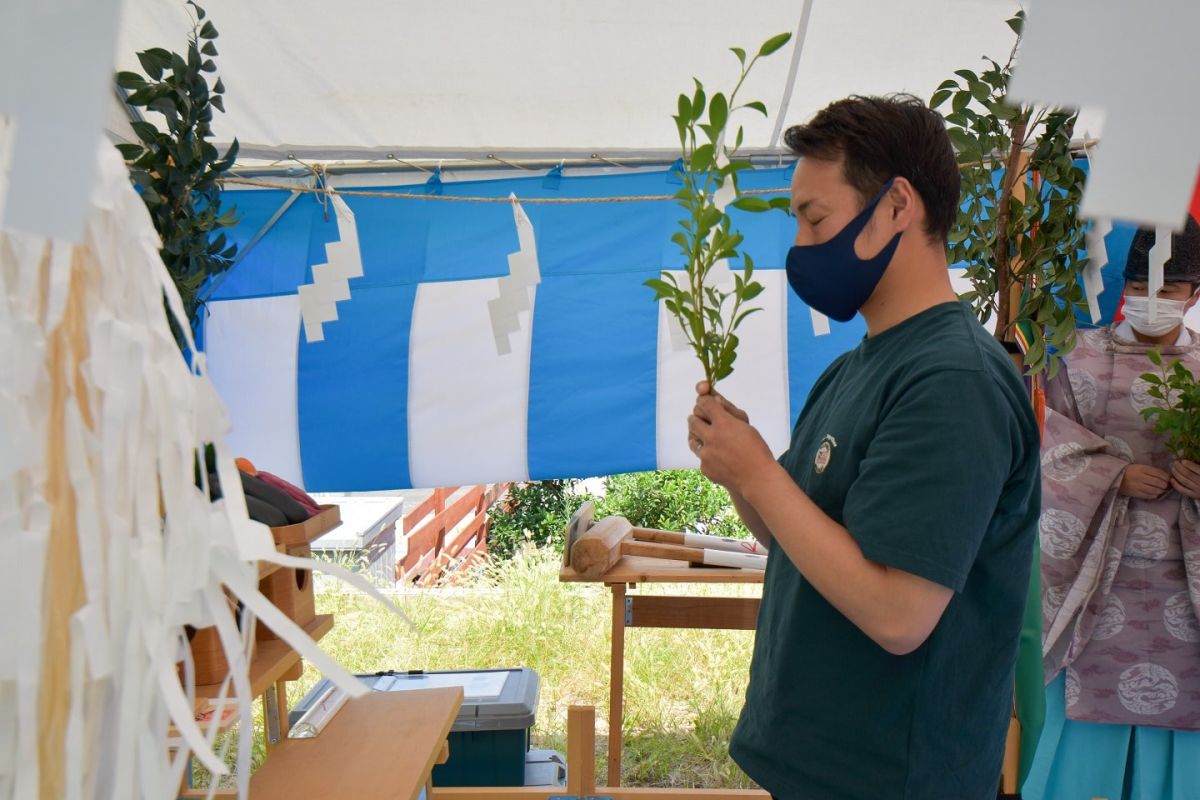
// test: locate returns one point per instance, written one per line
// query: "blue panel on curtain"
(809, 355)
(592, 384)
(352, 395)
(280, 261)
(595, 238)
(769, 234)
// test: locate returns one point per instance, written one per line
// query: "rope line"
(452, 199)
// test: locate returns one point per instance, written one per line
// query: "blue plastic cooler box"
(490, 736)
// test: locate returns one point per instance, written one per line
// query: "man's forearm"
(890, 606)
(751, 519)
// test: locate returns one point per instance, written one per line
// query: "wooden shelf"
(638, 569)
(380, 746)
(304, 532)
(272, 660)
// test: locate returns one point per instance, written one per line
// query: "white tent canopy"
(361, 79)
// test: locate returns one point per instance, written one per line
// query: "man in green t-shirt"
(901, 519)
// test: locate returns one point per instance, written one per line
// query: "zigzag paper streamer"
(1093, 280)
(331, 280)
(519, 288)
(1159, 255)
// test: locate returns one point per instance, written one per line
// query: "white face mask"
(1168, 315)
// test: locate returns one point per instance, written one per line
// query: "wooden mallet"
(597, 550)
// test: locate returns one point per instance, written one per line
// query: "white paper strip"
(139, 548)
(319, 299)
(511, 311)
(58, 109)
(1143, 77)
(1093, 280)
(1158, 257)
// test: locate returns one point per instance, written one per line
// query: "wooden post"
(581, 751)
(616, 689)
(63, 587)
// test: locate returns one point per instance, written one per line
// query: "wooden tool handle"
(663, 537)
(702, 541)
(667, 551)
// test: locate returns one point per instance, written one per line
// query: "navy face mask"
(830, 276)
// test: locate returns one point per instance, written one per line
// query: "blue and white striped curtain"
(419, 382)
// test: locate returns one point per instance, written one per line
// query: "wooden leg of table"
(616, 693)
(581, 751)
(282, 702)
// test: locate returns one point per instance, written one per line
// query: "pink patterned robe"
(1120, 575)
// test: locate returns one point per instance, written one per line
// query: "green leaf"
(738, 320)
(698, 101)
(753, 204)
(740, 53)
(130, 80)
(702, 158)
(758, 106)
(752, 290)
(961, 100)
(661, 288)
(209, 49)
(685, 107)
(131, 152)
(718, 111)
(1155, 358)
(207, 31)
(939, 97)
(1016, 23)
(966, 75)
(774, 43)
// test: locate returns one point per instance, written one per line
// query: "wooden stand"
(633, 611)
(383, 745)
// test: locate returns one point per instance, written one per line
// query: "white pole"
(797, 49)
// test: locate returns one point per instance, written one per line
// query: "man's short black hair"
(878, 138)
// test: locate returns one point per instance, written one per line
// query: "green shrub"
(534, 513)
(674, 500)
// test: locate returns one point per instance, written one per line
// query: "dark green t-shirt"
(922, 443)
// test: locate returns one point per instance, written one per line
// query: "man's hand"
(1144, 482)
(1185, 478)
(703, 388)
(731, 452)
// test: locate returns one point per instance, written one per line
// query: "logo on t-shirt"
(824, 453)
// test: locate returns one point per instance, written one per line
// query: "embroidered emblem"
(824, 453)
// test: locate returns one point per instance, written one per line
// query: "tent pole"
(216, 283)
(797, 49)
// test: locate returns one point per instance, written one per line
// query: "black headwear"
(1182, 266)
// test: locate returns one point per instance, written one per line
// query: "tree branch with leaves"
(1018, 232)
(709, 314)
(178, 170)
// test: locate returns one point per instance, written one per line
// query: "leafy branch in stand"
(709, 314)
(178, 169)
(1178, 419)
(1018, 230)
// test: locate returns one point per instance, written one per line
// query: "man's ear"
(905, 204)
